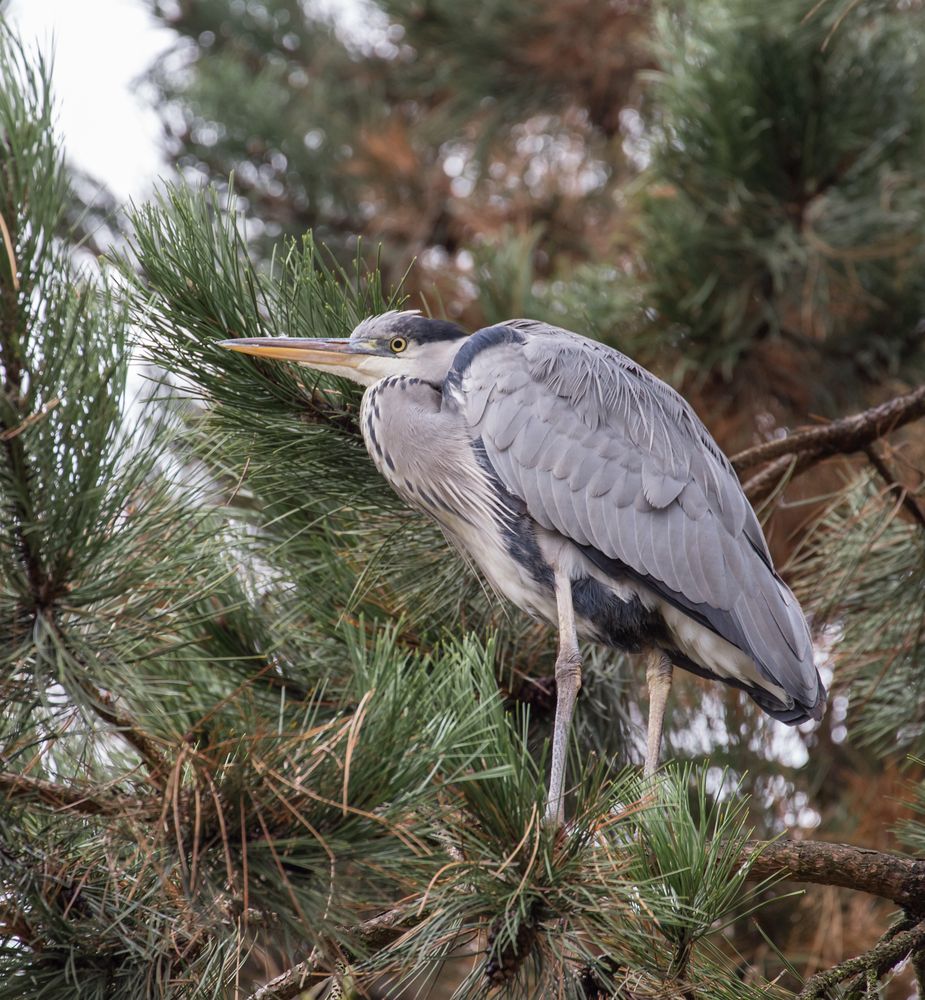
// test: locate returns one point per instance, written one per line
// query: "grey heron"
(588, 492)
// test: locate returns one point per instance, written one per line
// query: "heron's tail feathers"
(796, 713)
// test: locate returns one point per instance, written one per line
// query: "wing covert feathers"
(608, 455)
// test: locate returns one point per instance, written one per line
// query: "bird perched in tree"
(588, 492)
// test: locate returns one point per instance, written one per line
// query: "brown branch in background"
(762, 485)
(791, 455)
(889, 876)
(842, 436)
(76, 798)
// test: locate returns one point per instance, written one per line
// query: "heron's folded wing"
(608, 455)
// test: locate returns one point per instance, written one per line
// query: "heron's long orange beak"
(316, 352)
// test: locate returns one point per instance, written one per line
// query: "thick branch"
(77, 798)
(840, 437)
(889, 876)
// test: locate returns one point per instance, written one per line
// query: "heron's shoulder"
(597, 381)
(547, 352)
(504, 352)
(482, 341)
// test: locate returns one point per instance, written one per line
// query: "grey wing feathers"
(605, 453)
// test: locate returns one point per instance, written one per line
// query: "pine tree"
(264, 735)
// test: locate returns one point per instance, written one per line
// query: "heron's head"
(395, 343)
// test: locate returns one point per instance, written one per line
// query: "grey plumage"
(588, 492)
(616, 460)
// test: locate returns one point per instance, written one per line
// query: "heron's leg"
(568, 681)
(658, 680)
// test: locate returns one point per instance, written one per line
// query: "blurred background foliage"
(704, 184)
(277, 703)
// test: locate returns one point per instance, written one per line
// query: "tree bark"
(889, 876)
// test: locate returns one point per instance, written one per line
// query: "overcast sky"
(100, 48)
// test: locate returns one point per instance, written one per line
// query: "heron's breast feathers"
(427, 456)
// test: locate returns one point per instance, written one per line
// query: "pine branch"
(885, 955)
(889, 876)
(806, 447)
(104, 705)
(75, 798)
(374, 932)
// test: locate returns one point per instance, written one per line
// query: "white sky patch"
(100, 47)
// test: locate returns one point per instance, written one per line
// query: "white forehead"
(382, 325)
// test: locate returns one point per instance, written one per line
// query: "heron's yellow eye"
(398, 344)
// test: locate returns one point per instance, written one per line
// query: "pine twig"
(75, 798)
(842, 436)
(918, 968)
(906, 498)
(888, 876)
(885, 955)
(292, 982)
(29, 421)
(103, 704)
(374, 932)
